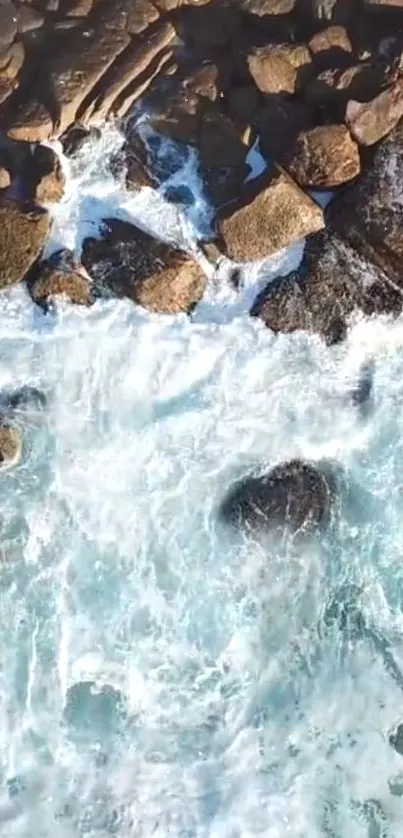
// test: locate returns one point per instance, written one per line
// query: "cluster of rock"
(317, 85)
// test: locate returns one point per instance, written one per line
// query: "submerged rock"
(128, 262)
(10, 444)
(396, 739)
(23, 397)
(294, 493)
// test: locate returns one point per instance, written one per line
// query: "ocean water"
(161, 675)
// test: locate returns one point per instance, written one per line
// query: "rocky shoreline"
(315, 85)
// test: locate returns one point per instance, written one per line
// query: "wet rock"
(60, 277)
(331, 46)
(22, 398)
(369, 215)
(5, 178)
(279, 68)
(130, 167)
(261, 8)
(141, 15)
(10, 444)
(23, 230)
(76, 136)
(361, 394)
(45, 177)
(332, 283)
(272, 212)
(370, 121)
(224, 184)
(219, 141)
(294, 494)
(335, 86)
(396, 739)
(326, 156)
(128, 262)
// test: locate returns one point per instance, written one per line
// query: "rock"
(110, 95)
(5, 178)
(383, 5)
(76, 136)
(279, 68)
(369, 215)
(242, 103)
(261, 8)
(23, 230)
(326, 156)
(224, 184)
(46, 176)
(332, 282)
(396, 739)
(131, 167)
(370, 121)
(336, 86)
(219, 142)
(279, 123)
(294, 494)
(22, 398)
(141, 15)
(12, 60)
(8, 16)
(176, 114)
(28, 19)
(339, 11)
(10, 444)
(214, 25)
(130, 263)
(265, 221)
(72, 73)
(331, 46)
(60, 277)
(79, 8)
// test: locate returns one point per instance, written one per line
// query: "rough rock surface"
(326, 156)
(331, 45)
(23, 230)
(270, 218)
(62, 277)
(129, 263)
(10, 444)
(278, 68)
(294, 493)
(369, 122)
(5, 178)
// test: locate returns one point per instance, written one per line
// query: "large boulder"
(293, 494)
(279, 68)
(23, 231)
(271, 213)
(127, 262)
(369, 215)
(370, 121)
(326, 156)
(332, 283)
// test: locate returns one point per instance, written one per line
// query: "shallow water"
(161, 675)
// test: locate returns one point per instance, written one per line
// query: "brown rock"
(336, 86)
(46, 176)
(370, 121)
(128, 66)
(76, 137)
(5, 179)
(203, 81)
(163, 66)
(332, 282)
(279, 214)
(131, 166)
(60, 277)
(73, 73)
(12, 60)
(279, 68)
(79, 8)
(8, 17)
(6, 89)
(23, 231)
(128, 262)
(141, 15)
(10, 444)
(331, 45)
(326, 156)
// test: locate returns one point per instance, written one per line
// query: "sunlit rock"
(10, 444)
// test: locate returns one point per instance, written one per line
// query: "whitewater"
(161, 675)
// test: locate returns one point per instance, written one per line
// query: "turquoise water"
(161, 675)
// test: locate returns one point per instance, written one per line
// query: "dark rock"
(224, 184)
(8, 17)
(127, 164)
(279, 122)
(76, 136)
(261, 8)
(369, 215)
(383, 5)
(45, 178)
(279, 68)
(272, 212)
(215, 25)
(23, 230)
(335, 87)
(10, 444)
(361, 393)
(332, 282)
(242, 103)
(219, 141)
(128, 262)
(396, 739)
(331, 47)
(28, 18)
(293, 494)
(22, 398)
(370, 121)
(337, 11)
(326, 156)
(60, 277)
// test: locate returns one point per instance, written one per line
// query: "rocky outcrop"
(60, 277)
(326, 156)
(293, 494)
(127, 262)
(23, 230)
(271, 214)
